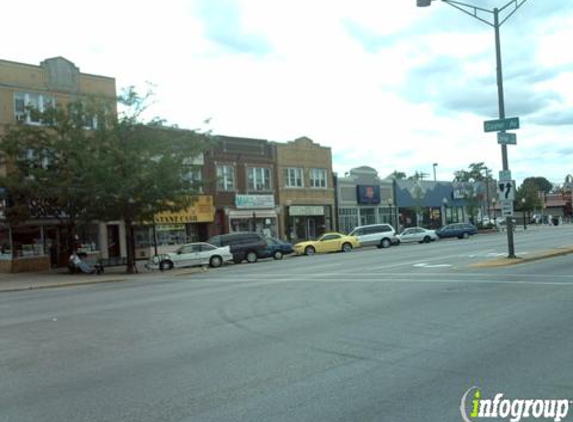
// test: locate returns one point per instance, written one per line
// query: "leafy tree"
(398, 175)
(542, 184)
(418, 176)
(475, 173)
(528, 191)
(49, 169)
(151, 162)
(123, 169)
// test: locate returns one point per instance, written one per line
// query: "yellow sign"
(200, 211)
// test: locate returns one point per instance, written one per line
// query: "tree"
(398, 175)
(49, 168)
(153, 163)
(542, 184)
(473, 174)
(528, 191)
(122, 169)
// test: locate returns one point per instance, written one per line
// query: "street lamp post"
(523, 210)
(473, 11)
(445, 202)
(434, 166)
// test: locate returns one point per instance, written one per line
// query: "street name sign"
(506, 190)
(510, 123)
(505, 138)
(504, 175)
(507, 208)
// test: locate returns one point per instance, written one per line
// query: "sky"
(383, 83)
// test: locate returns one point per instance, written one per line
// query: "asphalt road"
(373, 335)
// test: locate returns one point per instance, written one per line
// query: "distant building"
(364, 198)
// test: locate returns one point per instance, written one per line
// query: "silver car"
(417, 234)
(379, 235)
(192, 254)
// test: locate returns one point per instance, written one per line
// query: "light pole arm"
(473, 11)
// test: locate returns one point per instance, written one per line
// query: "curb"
(26, 285)
(506, 262)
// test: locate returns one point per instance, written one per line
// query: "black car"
(460, 230)
(243, 245)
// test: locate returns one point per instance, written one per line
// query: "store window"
(347, 219)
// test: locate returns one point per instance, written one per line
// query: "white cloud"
(361, 77)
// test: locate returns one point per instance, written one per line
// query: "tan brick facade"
(306, 201)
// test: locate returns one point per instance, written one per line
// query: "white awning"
(250, 213)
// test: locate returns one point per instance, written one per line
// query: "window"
(294, 178)
(225, 178)
(259, 178)
(195, 177)
(318, 178)
(24, 102)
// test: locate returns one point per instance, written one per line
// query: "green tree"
(151, 162)
(542, 184)
(48, 168)
(527, 196)
(123, 169)
(474, 173)
(398, 175)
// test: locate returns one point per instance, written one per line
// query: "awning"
(250, 213)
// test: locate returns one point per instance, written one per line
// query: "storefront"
(307, 221)
(254, 213)
(172, 229)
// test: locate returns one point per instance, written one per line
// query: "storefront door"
(113, 248)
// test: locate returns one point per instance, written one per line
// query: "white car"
(417, 234)
(192, 254)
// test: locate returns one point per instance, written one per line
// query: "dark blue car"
(460, 230)
(278, 248)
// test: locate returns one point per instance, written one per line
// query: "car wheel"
(466, 235)
(385, 243)
(252, 257)
(215, 261)
(309, 250)
(278, 255)
(427, 239)
(165, 265)
(347, 247)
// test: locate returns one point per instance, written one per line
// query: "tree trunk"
(130, 243)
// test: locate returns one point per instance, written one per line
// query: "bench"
(115, 261)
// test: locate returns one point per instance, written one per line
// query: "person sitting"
(75, 264)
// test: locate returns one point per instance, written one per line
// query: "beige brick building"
(306, 191)
(37, 244)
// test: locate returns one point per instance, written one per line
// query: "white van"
(379, 235)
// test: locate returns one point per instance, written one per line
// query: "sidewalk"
(60, 277)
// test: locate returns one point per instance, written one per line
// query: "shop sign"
(254, 201)
(296, 210)
(368, 194)
(200, 211)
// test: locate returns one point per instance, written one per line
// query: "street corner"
(506, 262)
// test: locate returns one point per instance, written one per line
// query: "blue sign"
(368, 194)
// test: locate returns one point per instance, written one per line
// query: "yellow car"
(328, 242)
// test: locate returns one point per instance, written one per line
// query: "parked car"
(243, 245)
(380, 235)
(328, 242)
(417, 234)
(192, 254)
(460, 230)
(278, 248)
